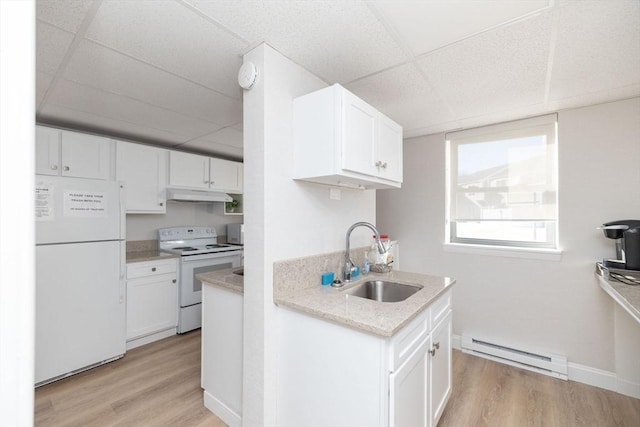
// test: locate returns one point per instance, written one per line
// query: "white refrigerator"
(80, 275)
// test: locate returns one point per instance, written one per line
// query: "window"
(503, 185)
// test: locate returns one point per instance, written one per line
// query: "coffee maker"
(626, 233)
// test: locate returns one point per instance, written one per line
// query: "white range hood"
(181, 195)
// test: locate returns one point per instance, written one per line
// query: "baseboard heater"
(544, 363)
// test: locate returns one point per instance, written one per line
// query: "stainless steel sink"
(381, 290)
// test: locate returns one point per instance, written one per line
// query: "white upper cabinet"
(144, 170)
(194, 171)
(226, 175)
(47, 151)
(188, 170)
(341, 140)
(72, 154)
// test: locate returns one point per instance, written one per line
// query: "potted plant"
(232, 205)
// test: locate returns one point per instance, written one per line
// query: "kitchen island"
(222, 311)
(344, 360)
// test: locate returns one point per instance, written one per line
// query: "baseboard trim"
(221, 410)
(147, 339)
(587, 375)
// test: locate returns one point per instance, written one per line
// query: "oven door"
(190, 287)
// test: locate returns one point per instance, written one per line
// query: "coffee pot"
(626, 233)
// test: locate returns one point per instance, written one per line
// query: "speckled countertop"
(627, 296)
(225, 279)
(380, 318)
(145, 250)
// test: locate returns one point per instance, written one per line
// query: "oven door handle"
(208, 257)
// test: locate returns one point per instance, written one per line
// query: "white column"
(17, 284)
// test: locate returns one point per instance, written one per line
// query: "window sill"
(505, 251)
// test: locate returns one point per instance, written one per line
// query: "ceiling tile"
(62, 116)
(495, 71)
(339, 41)
(597, 48)
(65, 14)
(211, 147)
(51, 46)
(429, 25)
(102, 68)
(171, 36)
(403, 94)
(227, 136)
(43, 81)
(84, 98)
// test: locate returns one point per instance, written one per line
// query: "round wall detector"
(247, 75)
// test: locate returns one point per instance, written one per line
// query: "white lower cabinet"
(222, 312)
(332, 375)
(152, 301)
(408, 391)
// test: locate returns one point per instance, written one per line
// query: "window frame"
(509, 130)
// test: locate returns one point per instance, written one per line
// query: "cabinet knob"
(378, 163)
(432, 352)
(153, 269)
(66, 168)
(54, 167)
(205, 182)
(161, 204)
(174, 280)
(384, 165)
(437, 346)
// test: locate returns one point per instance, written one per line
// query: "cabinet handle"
(378, 163)
(54, 167)
(437, 346)
(432, 352)
(66, 168)
(384, 165)
(153, 269)
(205, 182)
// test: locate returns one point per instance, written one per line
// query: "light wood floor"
(486, 393)
(159, 385)
(154, 385)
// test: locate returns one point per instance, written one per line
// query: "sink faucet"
(349, 268)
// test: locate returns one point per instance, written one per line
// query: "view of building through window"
(503, 186)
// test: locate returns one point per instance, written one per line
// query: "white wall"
(145, 226)
(283, 218)
(17, 264)
(554, 306)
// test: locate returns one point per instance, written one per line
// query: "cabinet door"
(226, 176)
(440, 369)
(152, 305)
(408, 391)
(358, 135)
(144, 170)
(389, 150)
(188, 170)
(85, 156)
(47, 151)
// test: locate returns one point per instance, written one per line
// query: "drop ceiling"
(164, 72)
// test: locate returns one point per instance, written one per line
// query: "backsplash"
(142, 245)
(295, 274)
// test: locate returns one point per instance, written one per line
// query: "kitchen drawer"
(408, 340)
(151, 268)
(439, 309)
